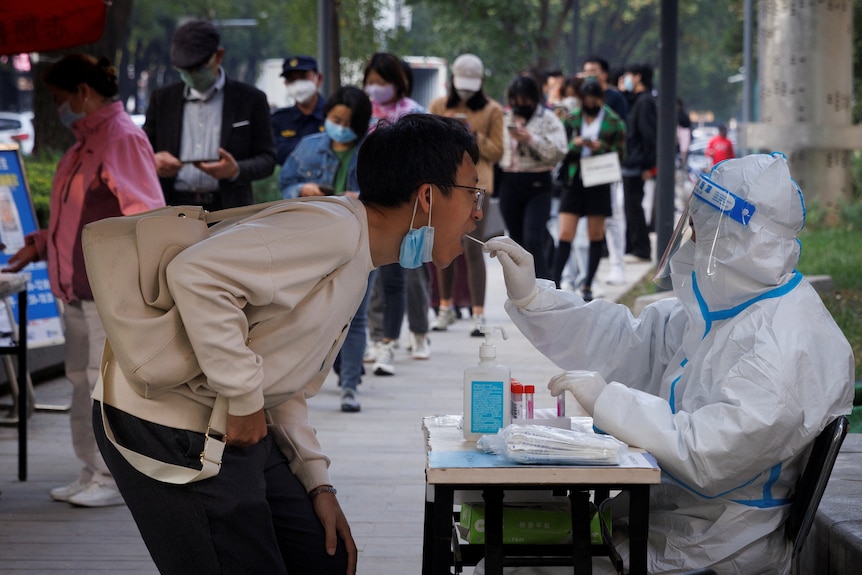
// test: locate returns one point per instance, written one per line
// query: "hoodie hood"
(735, 263)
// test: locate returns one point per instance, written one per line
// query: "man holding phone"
(212, 135)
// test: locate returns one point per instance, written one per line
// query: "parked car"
(17, 128)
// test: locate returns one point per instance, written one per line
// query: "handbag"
(601, 169)
(494, 225)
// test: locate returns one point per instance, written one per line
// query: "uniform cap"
(298, 64)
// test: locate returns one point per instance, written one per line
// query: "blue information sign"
(17, 219)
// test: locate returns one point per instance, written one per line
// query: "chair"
(811, 485)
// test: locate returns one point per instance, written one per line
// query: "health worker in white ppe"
(727, 384)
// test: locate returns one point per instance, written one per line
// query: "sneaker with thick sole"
(444, 319)
(420, 346)
(478, 324)
(617, 275)
(370, 355)
(384, 363)
(65, 492)
(349, 403)
(97, 495)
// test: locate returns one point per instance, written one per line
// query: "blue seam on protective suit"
(710, 316)
(768, 500)
(672, 400)
(599, 431)
(699, 494)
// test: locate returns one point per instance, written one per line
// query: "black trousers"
(253, 517)
(525, 203)
(637, 235)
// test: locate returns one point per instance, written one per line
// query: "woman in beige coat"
(484, 118)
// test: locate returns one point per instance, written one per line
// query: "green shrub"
(39, 171)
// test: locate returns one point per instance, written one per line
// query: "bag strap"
(211, 455)
(238, 212)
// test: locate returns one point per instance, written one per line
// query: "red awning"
(42, 25)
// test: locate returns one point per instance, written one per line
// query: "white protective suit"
(727, 384)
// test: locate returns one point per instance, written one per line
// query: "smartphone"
(511, 127)
(328, 190)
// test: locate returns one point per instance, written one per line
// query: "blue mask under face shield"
(418, 245)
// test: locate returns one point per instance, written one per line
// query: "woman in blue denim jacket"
(325, 164)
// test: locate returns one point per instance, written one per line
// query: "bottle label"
(486, 409)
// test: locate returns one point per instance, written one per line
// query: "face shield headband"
(730, 206)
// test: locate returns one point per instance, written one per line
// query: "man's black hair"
(594, 59)
(359, 104)
(397, 158)
(644, 71)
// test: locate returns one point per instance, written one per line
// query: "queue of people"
(720, 383)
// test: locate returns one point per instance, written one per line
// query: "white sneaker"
(444, 319)
(478, 324)
(371, 349)
(97, 495)
(617, 275)
(65, 492)
(420, 348)
(384, 363)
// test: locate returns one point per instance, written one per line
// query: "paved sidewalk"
(378, 457)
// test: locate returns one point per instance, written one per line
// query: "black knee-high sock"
(561, 256)
(595, 256)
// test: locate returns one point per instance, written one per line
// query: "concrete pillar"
(805, 76)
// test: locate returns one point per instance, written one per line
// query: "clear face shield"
(706, 194)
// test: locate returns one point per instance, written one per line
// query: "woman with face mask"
(533, 143)
(388, 86)
(387, 81)
(324, 165)
(484, 118)
(595, 129)
(109, 171)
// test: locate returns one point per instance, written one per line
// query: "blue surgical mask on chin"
(67, 116)
(338, 133)
(417, 245)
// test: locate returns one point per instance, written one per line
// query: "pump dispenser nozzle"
(487, 349)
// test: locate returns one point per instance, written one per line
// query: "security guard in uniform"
(305, 117)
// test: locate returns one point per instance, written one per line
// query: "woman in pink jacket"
(109, 171)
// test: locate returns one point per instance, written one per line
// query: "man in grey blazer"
(211, 135)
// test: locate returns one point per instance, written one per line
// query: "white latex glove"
(518, 269)
(586, 386)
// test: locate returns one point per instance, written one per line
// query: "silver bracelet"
(323, 489)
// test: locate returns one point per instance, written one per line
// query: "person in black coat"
(212, 135)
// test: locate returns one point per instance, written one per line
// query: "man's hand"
(586, 386)
(518, 269)
(245, 430)
(167, 165)
(226, 168)
(310, 189)
(21, 258)
(335, 525)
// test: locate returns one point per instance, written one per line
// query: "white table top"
(450, 459)
(13, 283)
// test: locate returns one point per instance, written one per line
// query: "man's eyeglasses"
(480, 193)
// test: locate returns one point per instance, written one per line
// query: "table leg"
(582, 548)
(638, 528)
(440, 541)
(22, 383)
(493, 497)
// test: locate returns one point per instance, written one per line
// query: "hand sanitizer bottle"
(487, 392)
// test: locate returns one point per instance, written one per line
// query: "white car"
(17, 128)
